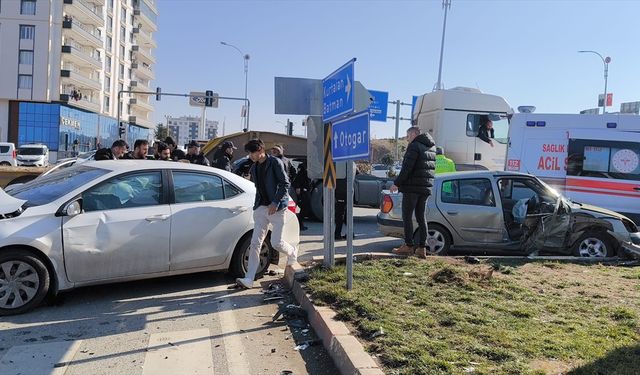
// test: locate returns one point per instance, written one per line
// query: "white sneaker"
(245, 283)
(292, 258)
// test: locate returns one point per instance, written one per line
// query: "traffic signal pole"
(159, 94)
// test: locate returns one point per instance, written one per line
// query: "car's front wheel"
(438, 240)
(240, 259)
(24, 282)
(593, 245)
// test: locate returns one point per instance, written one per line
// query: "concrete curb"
(346, 351)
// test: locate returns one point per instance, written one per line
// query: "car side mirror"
(70, 209)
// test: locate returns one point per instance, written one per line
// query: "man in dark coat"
(117, 151)
(485, 131)
(415, 182)
(194, 155)
(222, 156)
(176, 153)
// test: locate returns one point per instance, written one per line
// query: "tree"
(387, 160)
(162, 132)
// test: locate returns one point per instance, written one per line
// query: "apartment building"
(63, 64)
(185, 128)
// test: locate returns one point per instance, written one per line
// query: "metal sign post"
(350, 141)
(328, 195)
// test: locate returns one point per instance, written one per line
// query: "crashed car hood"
(9, 204)
(600, 210)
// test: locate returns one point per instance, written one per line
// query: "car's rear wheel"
(240, 259)
(5, 164)
(24, 282)
(593, 245)
(438, 239)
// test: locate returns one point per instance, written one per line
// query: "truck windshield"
(31, 151)
(51, 187)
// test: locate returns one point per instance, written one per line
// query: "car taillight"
(15, 154)
(387, 204)
(293, 207)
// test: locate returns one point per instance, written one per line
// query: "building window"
(123, 33)
(25, 81)
(120, 87)
(109, 43)
(27, 32)
(107, 84)
(121, 71)
(108, 64)
(106, 103)
(26, 57)
(123, 15)
(109, 24)
(28, 7)
(131, 74)
(133, 20)
(122, 52)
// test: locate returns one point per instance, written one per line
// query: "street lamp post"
(605, 62)
(245, 57)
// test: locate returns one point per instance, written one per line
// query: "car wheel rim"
(435, 242)
(592, 248)
(264, 258)
(19, 284)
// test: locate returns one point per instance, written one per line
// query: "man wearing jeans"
(272, 185)
(415, 182)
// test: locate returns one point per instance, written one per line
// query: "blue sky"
(525, 51)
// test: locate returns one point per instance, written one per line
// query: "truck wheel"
(438, 239)
(316, 201)
(240, 259)
(24, 282)
(593, 245)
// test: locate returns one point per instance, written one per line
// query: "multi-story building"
(68, 59)
(184, 129)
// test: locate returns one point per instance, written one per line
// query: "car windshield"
(51, 187)
(31, 151)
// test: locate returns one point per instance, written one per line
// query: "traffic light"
(158, 93)
(121, 129)
(289, 127)
(208, 98)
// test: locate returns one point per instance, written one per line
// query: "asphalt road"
(190, 324)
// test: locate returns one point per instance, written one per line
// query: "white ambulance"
(593, 159)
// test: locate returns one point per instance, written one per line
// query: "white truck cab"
(453, 118)
(593, 159)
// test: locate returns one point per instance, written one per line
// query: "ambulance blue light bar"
(541, 123)
(612, 125)
(531, 123)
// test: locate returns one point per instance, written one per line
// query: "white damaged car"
(112, 221)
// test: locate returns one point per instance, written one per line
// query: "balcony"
(79, 31)
(73, 76)
(143, 70)
(86, 102)
(80, 55)
(85, 12)
(147, 14)
(141, 104)
(144, 38)
(140, 85)
(142, 54)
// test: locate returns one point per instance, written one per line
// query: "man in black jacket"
(194, 155)
(222, 156)
(270, 205)
(485, 131)
(117, 151)
(415, 182)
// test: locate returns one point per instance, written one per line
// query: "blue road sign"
(350, 138)
(378, 107)
(413, 104)
(337, 92)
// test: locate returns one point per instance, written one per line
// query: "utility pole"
(446, 4)
(397, 117)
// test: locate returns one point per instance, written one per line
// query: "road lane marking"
(237, 358)
(180, 352)
(52, 358)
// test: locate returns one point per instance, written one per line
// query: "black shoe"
(339, 237)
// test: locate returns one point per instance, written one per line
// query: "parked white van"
(33, 155)
(593, 159)
(8, 154)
